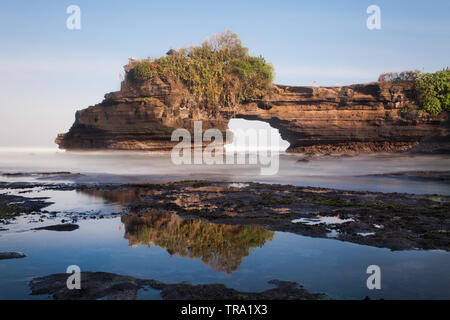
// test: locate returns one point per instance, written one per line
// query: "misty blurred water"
(349, 173)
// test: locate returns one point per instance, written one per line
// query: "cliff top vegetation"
(432, 89)
(220, 72)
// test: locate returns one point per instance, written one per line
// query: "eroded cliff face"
(360, 118)
(141, 116)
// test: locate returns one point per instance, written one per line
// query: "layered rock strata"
(370, 117)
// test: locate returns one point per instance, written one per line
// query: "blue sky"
(48, 71)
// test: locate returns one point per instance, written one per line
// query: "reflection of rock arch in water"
(222, 247)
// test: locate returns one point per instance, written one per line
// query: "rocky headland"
(372, 117)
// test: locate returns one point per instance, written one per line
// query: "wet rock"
(284, 290)
(409, 221)
(422, 221)
(11, 205)
(94, 285)
(60, 227)
(11, 255)
(99, 285)
(441, 176)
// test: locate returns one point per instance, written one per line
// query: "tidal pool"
(166, 247)
(163, 246)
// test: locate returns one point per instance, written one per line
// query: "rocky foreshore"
(388, 220)
(103, 285)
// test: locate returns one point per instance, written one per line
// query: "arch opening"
(254, 136)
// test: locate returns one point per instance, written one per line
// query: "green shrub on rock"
(220, 72)
(143, 71)
(433, 91)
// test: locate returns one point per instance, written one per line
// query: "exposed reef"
(357, 118)
(59, 227)
(11, 255)
(165, 215)
(102, 285)
(395, 221)
(11, 205)
(442, 176)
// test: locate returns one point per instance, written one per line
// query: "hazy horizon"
(49, 71)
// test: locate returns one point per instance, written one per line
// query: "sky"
(48, 71)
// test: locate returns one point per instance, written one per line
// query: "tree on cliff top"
(220, 72)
